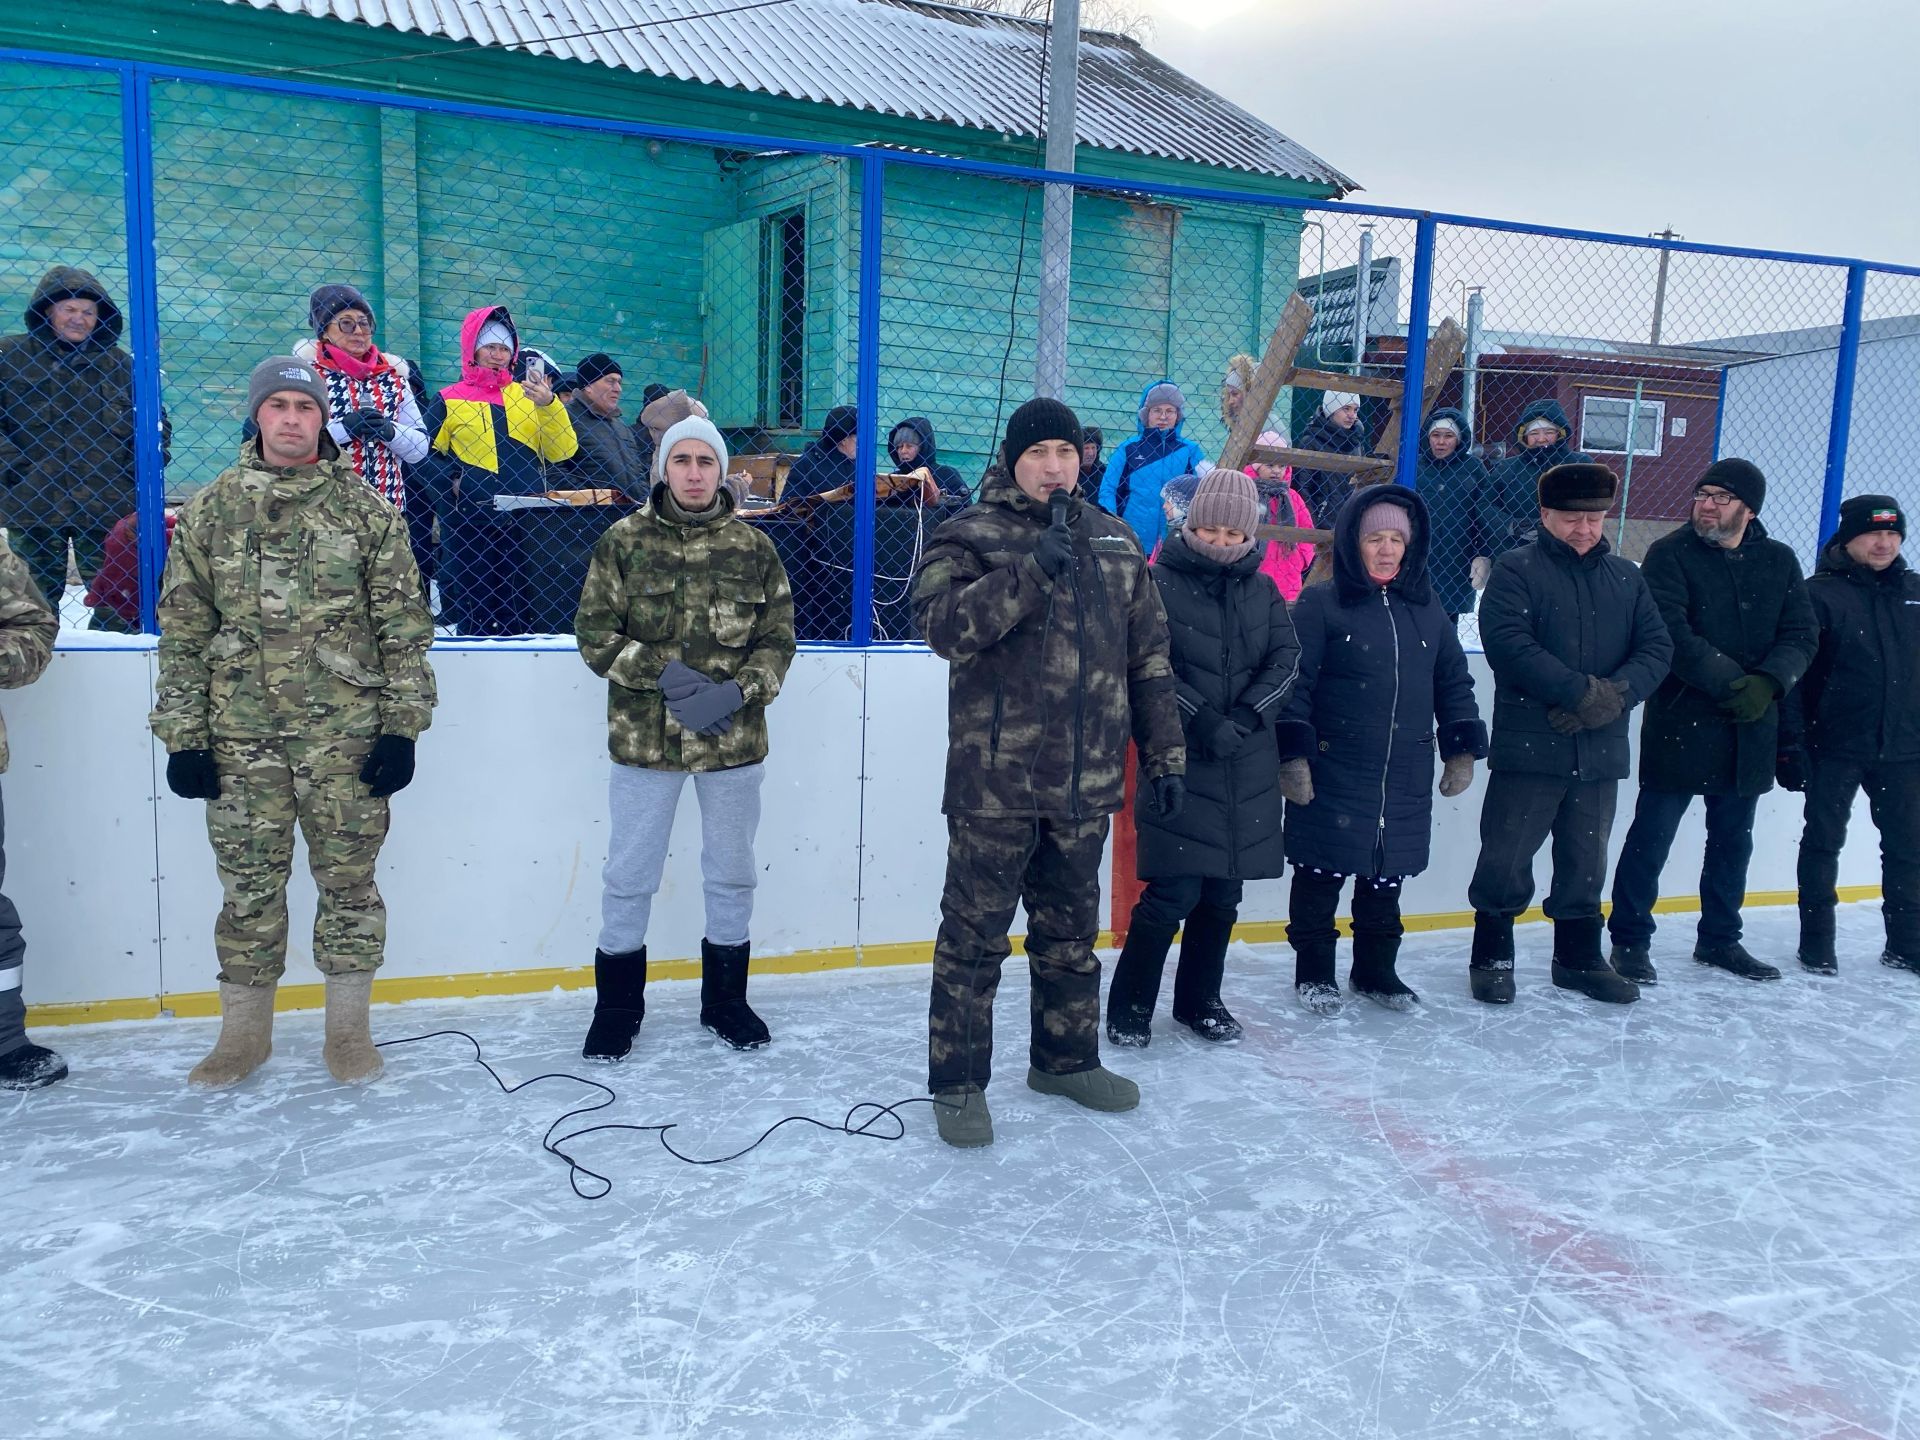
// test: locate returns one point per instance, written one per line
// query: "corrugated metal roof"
(910, 58)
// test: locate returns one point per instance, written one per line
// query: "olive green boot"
(1097, 1089)
(962, 1116)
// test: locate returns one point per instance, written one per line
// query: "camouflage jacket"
(27, 628)
(1047, 677)
(291, 606)
(710, 593)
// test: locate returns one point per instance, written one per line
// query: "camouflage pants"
(992, 866)
(265, 787)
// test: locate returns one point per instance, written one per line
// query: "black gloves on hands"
(1167, 795)
(367, 424)
(696, 703)
(1790, 769)
(1226, 740)
(191, 775)
(389, 769)
(1752, 694)
(1054, 551)
(1598, 708)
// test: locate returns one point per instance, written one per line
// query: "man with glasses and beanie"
(1044, 609)
(1743, 633)
(1854, 724)
(1575, 642)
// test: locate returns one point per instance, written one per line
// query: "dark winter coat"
(1458, 503)
(1549, 619)
(1048, 678)
(820, 468)
(1234, 657)
(1860, 699)
(1325, 491)
(66, 415)
(609, 456)
(1513, 514)
(1384, 692)
(1730, 613)
(953, 488)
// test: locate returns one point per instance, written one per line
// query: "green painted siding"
(819, 188)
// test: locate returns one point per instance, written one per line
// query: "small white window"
(1603, 425)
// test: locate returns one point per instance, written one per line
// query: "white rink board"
(495, 857)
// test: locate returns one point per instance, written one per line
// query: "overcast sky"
(1756, 122)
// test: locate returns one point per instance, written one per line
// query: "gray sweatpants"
(13, 949)
(641, 805)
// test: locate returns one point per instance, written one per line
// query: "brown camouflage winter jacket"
(1047, 678)
(711, 593)
(27, 631)
(291, 606)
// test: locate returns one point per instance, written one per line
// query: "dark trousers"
(419, 513)
(1207, 906)
(994, 865)
(13, 950)
(1169, 899)
(43, 548)
(1519, 813)
(481, 586)
(1310, 910)
(1893, 799)
(1723, 874)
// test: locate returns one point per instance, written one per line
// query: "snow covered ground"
(1698, 1216)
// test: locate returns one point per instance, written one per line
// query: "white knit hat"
(1337, 400)
(694, 427)
(494, 333)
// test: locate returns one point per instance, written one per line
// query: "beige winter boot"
(246, 1037)
(351, 1057)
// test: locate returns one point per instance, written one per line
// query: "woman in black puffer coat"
(1233, 656)
(1383, 689)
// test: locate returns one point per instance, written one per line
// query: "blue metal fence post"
(136, 148)
(1420, 308)
(866, 464)
(1841, 424)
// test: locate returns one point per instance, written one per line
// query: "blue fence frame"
(136, 77)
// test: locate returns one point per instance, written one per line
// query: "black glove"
(1167, 795)
(707, 706)
(1226, 740)
(1752, 695)
(1790, 768)
(678, 680)
(1054, 551)
(389, 768)
(1246, 717)
(192, 775)
(368, 424)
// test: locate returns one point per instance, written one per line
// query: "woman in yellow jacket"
(495, 436)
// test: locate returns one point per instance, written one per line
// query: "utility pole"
(1660, 283)
(1056, 234)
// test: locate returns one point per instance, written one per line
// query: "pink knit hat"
(1385, 515)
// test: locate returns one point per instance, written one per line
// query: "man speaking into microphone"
(1044, 609)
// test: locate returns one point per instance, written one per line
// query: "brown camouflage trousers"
(992, 866)
(266, 786)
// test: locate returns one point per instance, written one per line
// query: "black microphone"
(1057, 508)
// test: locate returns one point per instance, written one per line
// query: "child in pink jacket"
(1287, 564)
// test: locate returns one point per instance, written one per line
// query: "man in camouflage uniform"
(293, 683)
(27, 628)
(688, 614)
(1058, 646)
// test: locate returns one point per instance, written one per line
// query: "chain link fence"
(645, 277)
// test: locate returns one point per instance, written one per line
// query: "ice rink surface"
(1698, 1216)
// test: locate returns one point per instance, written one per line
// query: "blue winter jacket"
(1382, 696)
(1131, 489)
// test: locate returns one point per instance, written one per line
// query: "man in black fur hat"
(1575, 641)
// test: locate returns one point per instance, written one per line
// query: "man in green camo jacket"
(293, 684)
(27, 630)
(1058, 645)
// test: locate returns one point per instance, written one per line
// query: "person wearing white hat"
(1337, 430)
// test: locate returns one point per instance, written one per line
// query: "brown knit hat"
(1228, 499)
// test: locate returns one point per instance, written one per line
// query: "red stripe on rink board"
(1126, 883)
(1595, 1259)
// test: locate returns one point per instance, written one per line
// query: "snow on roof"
(911, 58)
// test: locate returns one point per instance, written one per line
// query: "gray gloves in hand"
(696, 703)
(1456, 775)
(1296, 782)
(1599, 707)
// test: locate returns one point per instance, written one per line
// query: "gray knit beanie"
(1165, 393)
(283, 372)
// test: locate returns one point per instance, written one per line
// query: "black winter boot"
(723, 996)
(1490, 967)
(1135, 988)
(1895, 960)
(31, 1067)
(1203, 964)
(1635, 962)
(1579, 965)
(1735, 960)
(1816, 940)
(620, 1003)
(1373, 974)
